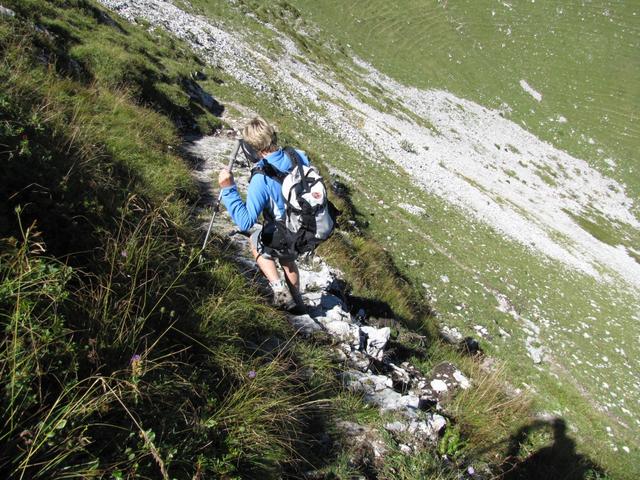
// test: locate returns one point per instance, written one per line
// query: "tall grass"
(486, 413)
(126, 351)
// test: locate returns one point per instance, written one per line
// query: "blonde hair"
(259, 134)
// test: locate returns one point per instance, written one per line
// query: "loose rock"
(6, 12)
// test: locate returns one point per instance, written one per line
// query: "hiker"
(264, 195)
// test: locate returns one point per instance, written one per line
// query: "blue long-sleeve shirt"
(263, 193)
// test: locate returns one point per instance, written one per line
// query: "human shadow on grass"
(560, 460)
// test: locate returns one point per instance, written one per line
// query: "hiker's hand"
(225, 179)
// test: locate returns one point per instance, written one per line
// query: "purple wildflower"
(136, 366)
(252, 374)
(471, 471)
(124, 253)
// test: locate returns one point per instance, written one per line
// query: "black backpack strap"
(257, 170)
(268, 170)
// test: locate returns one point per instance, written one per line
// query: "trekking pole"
(216, 205)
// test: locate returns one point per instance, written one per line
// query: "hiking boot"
(282, 297)
(299, 308)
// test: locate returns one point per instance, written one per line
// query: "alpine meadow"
(475, 313)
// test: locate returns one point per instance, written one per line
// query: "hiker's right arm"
(244, 214)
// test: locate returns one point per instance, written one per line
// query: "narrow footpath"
(358, 348)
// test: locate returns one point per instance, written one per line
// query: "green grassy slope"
(91, 114)
(125, 352)
(574, 312)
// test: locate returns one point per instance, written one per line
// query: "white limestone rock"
(451, 335)
(6, 12)
(462, 380)
(396, 427)
(377, 339)
(343, 331)
(312, 280)
(439, 386)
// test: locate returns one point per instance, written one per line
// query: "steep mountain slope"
(128, 351)
(505, 232)
(154, 358)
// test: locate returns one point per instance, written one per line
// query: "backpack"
(309, 215)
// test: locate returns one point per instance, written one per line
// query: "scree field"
(568, 73)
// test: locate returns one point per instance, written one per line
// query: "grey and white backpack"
(309, 215)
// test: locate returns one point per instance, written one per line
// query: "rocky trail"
(358, 346)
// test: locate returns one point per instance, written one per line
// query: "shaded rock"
(367, 444)
(467, 345)
(338, 287)
(199, 75)
(305, 325)
(105, 19)
(199, 95)
(373, 308)
(428, 402)
(470, 346)
(339, 188)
